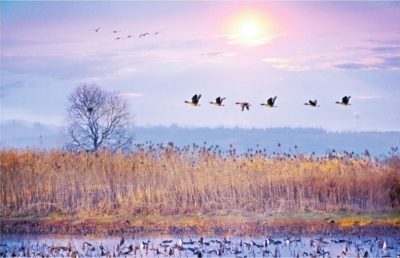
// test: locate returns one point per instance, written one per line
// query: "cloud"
(214, 57)
(237, 39)
(6, 88)
(286, 64)
(367, 97)
(380, 54)
(382, 63)
(276, 60)
(129, 95)
(125, 70)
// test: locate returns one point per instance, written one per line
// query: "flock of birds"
(129, 36)
(265, 247)
(270, 102)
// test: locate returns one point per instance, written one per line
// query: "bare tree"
(97, 118)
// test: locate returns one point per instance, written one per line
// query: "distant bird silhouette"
(129, 36)
(312, 103)
(270, 102)
(156, 33)
(96, 30)
(195, 100)
(115, 31)
(144, 34)
(218, 102)
(118, 38)
(345, 101)
(243, 105)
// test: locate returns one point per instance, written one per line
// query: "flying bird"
(156, 33)
(144, 34)
(115, 31)
(118, 38)
(96, 30)
(129, 36)
(244, 105)
(345, 101)
(270, 102)
(312, 103)
(218, 102)
(195, 100)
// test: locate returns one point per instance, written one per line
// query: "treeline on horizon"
(158, 179)
(308, 140)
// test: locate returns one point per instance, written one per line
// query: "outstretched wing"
(247, 106)
(195, 100)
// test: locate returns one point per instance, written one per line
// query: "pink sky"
(303, 50)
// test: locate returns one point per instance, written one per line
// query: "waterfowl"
(195, 100)
(96, 30)
(345, 101)
(244, 105)
(144, 34)
(312, 103)
(166, 242)
(218, 102)
(270, 102)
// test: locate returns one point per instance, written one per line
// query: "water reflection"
(196, 246)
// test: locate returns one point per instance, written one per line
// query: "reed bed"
(193, 180)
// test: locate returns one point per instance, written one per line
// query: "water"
(315, 246)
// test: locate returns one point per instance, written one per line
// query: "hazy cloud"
(129, 95)
(384, 63)
(367, 97)
(256, 41)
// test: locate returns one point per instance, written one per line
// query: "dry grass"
(165, 180)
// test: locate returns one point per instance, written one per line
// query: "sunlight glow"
(249, 30)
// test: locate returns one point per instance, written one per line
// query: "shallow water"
(320, 246)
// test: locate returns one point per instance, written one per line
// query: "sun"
(249, 30)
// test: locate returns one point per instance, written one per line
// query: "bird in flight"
(218, 102)
(312, 103)
(270, 102)
(195, 100)
(144, 34)
(156, 33)
(115, 31)
(118, 38)
(129, 36)
(96, 30)
(244, 105)
(345, 101)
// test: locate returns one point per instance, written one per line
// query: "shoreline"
(376, 223)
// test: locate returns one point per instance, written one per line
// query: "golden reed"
(166, 180)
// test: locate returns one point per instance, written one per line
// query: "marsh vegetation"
(157, 179)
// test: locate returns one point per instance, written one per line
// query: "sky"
(241, 51)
